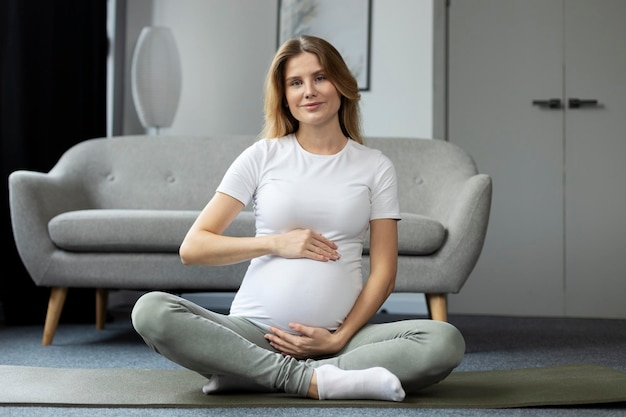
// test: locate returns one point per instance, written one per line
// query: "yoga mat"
(574, 384)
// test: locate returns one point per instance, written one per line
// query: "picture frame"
(346, 24)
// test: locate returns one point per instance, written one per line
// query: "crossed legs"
(233, 353)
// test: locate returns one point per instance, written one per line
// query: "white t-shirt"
(335, 195)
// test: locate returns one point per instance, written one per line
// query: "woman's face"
(311, 97)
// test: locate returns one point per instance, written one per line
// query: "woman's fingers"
(306, 243)
(324, 247)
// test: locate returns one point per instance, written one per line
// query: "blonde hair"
(278, 119)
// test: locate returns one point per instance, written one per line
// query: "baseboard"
(406, 303)
(397, 303)
(219, 301)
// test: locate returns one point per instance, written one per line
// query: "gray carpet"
(493, 343)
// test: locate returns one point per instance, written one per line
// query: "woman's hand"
(305, 243)
(310, 342)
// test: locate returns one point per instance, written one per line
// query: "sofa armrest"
(34, 199)
(466, 226)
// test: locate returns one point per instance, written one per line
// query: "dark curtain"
(52, 95)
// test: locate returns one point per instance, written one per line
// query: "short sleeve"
(385, 203)
(241, 179)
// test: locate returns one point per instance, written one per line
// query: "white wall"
(227, 46)
(399, 102)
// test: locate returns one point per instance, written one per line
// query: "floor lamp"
(156, 78)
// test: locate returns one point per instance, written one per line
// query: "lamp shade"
(156, 77)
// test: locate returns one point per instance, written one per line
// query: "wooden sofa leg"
(437, 306)
(55, 307)
(102, 301)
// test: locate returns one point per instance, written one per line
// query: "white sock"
(223, 383)
(367, 384)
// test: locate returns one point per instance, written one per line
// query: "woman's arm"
(204, 243)
(381, 281)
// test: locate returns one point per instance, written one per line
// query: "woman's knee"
(448, 344)
(147, 311)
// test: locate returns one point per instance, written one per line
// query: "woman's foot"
(367, 384)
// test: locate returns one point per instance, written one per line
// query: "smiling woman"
(309, 63)
(312, 100)
(299, 322)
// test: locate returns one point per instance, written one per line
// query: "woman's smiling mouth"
(312, 106)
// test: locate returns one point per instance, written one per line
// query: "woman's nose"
(310, 91)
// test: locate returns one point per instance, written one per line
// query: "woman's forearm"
(206, 248)
(372, 297)
(382, 278)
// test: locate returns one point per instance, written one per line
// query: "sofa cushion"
(115, 230)
(131, 230)
(417, 235)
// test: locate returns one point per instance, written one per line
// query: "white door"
(554, 239)
(595, 158)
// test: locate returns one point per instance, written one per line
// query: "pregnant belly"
(277, 291)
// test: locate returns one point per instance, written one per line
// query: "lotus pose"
(300, 321)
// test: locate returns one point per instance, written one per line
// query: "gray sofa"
(112, 213)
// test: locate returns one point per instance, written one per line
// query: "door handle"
(551, 103)
(576, 103)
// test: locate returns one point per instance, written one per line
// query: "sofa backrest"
(430, 172)
(150, 172)
(182, 172)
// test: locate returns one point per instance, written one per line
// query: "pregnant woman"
(300, 321)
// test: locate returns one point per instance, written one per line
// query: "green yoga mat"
(546, 386)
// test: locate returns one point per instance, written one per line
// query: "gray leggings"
(418, 352)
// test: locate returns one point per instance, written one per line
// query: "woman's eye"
(320, 78)
(296, 83)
